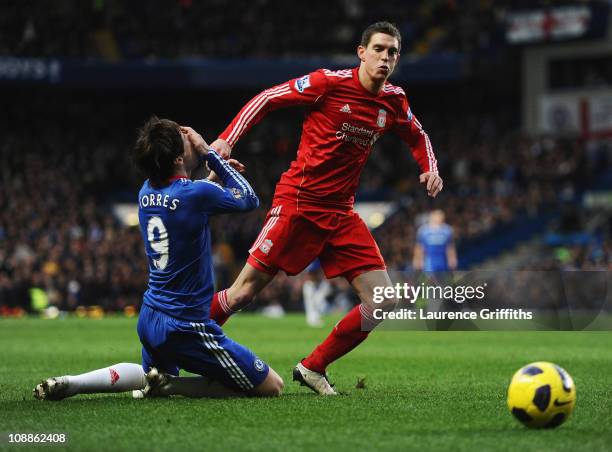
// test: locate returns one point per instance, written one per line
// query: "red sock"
(219, 308)
(344, 337)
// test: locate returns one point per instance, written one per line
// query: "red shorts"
(291, 239)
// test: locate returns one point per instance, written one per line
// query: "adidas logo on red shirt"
(346, 109)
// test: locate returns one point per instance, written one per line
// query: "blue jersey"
(175, 229)
(435, 241)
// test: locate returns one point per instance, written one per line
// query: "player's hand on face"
(196, 140)
(222, 147)
(433, 183)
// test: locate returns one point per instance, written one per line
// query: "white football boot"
(54, 388)
(155, 380)
(314, 380)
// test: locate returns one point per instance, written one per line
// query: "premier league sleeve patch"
(409, 114)
(302, 83)
(237, 193)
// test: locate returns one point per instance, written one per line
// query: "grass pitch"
(424, 391)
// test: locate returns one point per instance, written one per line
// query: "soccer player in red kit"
(312, 210)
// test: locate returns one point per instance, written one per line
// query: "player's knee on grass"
(272, 386)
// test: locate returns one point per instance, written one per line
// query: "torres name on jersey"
(342, 123)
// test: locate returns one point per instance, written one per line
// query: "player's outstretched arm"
(304, 90)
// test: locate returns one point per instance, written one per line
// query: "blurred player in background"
(435, 250)
(315, 291)
(174, 324)
(435, 255)
(312, 210)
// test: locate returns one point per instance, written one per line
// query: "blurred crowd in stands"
(115, 29)
(65, 167)
(577, 239)
(56, 229)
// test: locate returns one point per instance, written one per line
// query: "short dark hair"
(158, 144)
(381, 27)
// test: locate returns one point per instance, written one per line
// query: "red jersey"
(342, 123)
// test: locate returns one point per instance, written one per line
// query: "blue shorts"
(170, 344)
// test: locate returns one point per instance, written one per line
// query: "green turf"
(424, 391)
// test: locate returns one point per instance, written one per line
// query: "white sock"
(310, 303)
(116, 378)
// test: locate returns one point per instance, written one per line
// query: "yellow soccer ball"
(541, 395)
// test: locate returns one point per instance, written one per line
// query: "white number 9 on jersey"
(161, 245)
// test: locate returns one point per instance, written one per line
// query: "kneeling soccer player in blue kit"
(174, 325)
